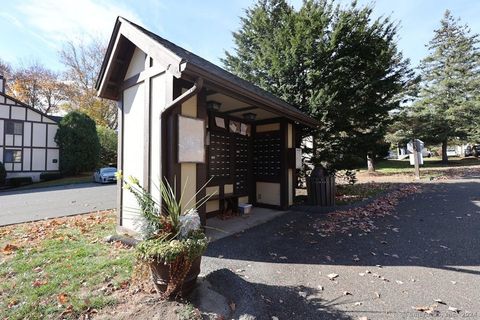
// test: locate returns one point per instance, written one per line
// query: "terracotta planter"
(160, 276)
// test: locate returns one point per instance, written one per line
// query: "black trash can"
(321, 188)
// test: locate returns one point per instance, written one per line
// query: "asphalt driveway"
(38, 204)
(423, 261)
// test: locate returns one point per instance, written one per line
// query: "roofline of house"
(27, 106)
(180, 67)
(273, 106)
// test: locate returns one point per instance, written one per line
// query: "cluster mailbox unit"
(187, 120)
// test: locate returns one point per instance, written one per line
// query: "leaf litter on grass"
(54, 268)
(362, 218)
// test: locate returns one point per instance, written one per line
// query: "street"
(421, 261)
(38, 204)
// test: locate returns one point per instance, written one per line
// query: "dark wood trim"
(31, 152)
(269, 121)
(173, 168)
(252, 179)
(46, 145)
(143, 76)
(284, 164)
(249, 108)
(268, 206)
(233, 90)
(294, 170)
(202, 167)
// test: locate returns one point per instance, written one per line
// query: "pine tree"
(337, 64)
(448, 103)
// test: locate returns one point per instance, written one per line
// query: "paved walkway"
(38, 204)
(429, 250)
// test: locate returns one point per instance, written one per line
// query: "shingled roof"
(195, 65)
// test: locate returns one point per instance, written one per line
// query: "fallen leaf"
(62, 298)
(125, 284)
(377, 295)
(426, 309)
(38, 283)
(232, 305)
(332, 276)
(12, 303)
(9, 249)
(302, 294)
(358, 303)
(453, 309)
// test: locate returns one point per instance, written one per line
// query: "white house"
(27, 139)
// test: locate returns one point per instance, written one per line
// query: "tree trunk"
(444, 152)
(370, 166)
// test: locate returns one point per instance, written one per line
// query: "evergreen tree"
(337, 64)
(448, 104)
(78, 142)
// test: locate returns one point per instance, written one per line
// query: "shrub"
(47, 176)
(3, 174)
(108, 146)
(19, 181)
(78, 142)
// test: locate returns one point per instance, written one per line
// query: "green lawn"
(403, 166)
(56, 268)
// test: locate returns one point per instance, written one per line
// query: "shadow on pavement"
(267, 301)
(437, 228)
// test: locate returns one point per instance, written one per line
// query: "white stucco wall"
(133, 149)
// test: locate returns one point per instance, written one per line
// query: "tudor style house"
(187, 120)
(27, 144)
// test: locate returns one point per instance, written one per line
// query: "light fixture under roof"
(213, 105)
(249, 116)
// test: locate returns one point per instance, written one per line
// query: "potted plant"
(173, 238)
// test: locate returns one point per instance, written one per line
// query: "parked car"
(105, 175)
(451, 152)
(426, 153)
(476, 150)
(468, 151)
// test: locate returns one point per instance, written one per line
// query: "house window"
(13, 127)
(12, 156)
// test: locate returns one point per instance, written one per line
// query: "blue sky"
(33, 30)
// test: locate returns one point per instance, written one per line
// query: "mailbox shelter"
(187, 120)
